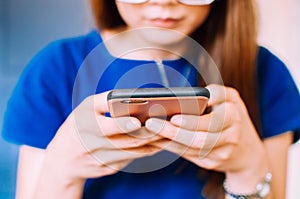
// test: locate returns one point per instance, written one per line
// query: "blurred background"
(26, 26)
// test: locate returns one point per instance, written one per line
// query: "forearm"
(254, 179)
(52, 185)
(275, 161)
(38, 179)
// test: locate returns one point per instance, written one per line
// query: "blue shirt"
(60, 76)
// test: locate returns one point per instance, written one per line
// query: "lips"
(164, 23)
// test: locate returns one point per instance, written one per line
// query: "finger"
(114, 167)
(121, 125)
(90, 115)
(183, 150)
(188, 138)
(135, 139)
(93, 134)
(97, 102)
(127, 141)
(105, 157)
(85, 123)
(175, 147)
(109, 135)
(216, 121)
(220, 94)
(103, 169)
(215, 158)
(84, 117)
(219, 158)
(203, 158)
(189, 122)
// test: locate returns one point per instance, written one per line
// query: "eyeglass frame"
(185, 2)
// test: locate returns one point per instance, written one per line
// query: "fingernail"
(154, 125)
(178, 120)
(132, 125)
(127, 124)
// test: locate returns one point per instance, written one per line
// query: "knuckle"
(110, 170)
(86, 104)
(232, 138)
(224, 156)
(233, 95)
(206, 164)
(233, 92)
(88, 100)
(134, 142)
(226, 153)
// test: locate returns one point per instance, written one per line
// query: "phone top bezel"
(158, 92)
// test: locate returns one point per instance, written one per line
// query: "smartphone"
(145, 103)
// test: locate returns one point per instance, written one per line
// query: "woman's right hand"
(89, 144)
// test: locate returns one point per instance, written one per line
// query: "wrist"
(253, 170)
(51, 186)
(53, 182)
(262, 189)
(253, 181)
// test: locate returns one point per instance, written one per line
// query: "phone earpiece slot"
(134, 101)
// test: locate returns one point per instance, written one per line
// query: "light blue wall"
(33, 23)
(4, 5)
(25, 27)
(8, 153)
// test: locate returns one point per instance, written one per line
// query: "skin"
(238, 151)
(160, 14)
(164, 14)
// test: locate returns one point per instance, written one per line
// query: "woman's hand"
(223, 140)
(89, 144)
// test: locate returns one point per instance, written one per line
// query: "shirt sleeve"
(38, 104)
(279, 96)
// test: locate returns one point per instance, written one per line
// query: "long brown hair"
(229, 35)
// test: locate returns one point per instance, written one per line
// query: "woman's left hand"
(223, 140)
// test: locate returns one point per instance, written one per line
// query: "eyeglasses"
(186, 2)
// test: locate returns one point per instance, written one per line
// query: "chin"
(161, 36)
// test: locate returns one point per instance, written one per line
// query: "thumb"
(97, 102)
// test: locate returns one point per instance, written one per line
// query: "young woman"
(72, 149)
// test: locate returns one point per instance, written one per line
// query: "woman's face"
(164, 14)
